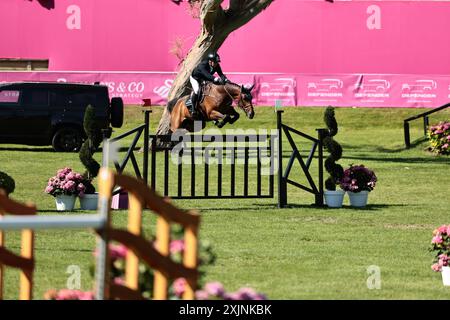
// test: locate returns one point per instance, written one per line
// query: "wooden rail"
(24, 261)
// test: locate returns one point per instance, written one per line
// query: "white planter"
(89, 201)
(446, 276)
(65, 202)
(358, 199)
(334, 199)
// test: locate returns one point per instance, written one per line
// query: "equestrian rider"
(205, 72)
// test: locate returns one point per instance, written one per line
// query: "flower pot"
(446, 276)
(65, 202)
(334, 199)
(358, 199)
(89, 201)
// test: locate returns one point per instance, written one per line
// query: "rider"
(205, 72)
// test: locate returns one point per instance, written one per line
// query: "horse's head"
(245, 101)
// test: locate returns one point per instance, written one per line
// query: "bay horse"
(215, 104)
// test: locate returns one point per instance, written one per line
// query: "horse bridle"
(245, 107)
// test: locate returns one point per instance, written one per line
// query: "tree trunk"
(217, 24)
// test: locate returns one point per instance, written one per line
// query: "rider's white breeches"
(195, 85)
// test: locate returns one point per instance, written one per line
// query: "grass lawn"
(301, 252)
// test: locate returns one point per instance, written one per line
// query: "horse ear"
(249, 88)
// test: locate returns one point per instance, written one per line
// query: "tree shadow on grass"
(27, 149)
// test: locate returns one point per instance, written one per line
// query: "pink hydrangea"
(179, 286)
(176, 246)
(215, 289)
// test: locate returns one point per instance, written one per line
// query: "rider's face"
(212, 63)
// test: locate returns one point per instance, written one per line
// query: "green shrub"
(87, 150)
(334, 148)
(7, 183)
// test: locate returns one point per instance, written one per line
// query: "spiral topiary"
(7, 183)
(89, 147)
(334, 148)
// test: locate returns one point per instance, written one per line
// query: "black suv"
(51, 113)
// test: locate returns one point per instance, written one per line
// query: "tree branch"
(210, 13)
(242, 11)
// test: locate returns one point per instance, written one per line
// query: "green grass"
(301, 252)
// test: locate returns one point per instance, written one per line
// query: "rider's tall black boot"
(194, 99)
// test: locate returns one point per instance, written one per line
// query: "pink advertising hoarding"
(364, 90)
(302, 52)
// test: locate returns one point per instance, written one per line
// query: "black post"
(319, 197)
(146, 137)
(282, 185)
(406, 133)
(425, 125)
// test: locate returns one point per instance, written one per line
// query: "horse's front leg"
(234, 117)
(216, 116)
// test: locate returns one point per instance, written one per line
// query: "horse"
(216, 104)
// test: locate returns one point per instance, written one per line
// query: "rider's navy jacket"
(205, 72)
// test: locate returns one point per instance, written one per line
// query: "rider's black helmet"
(214, 57)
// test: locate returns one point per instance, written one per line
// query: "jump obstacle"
(157, 257)
(238, 161)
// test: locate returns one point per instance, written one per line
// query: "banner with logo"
(361, 90)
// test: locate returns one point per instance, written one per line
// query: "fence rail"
(426, 123)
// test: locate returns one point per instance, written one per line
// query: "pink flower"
(201, 295)
(179, 286)
(436, 267)
(88, 295)
(49, 189)
(442, 229)
(176, 246)
(66, 294)
(215, 289)
(119, 281)
(232, 296)
(437, 239)
(247, 293)
(117, 251)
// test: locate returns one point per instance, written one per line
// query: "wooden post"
(26, 278)
(134, 227)
(190, 259)
(102, 277)
(161, 282)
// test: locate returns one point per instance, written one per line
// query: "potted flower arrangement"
(358, 181)
(89, 199)
(440, 245)
(7, 183)
(439, 136)
(333, 197)
(65, 186)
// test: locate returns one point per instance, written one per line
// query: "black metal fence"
(234, 166)
(426, 123)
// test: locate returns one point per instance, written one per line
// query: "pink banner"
(290, 36)
(362, 90)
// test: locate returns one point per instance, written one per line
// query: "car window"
(9, 96)
(36, 97)
(82, 99)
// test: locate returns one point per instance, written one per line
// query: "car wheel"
(116, 112)
(67, 139)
